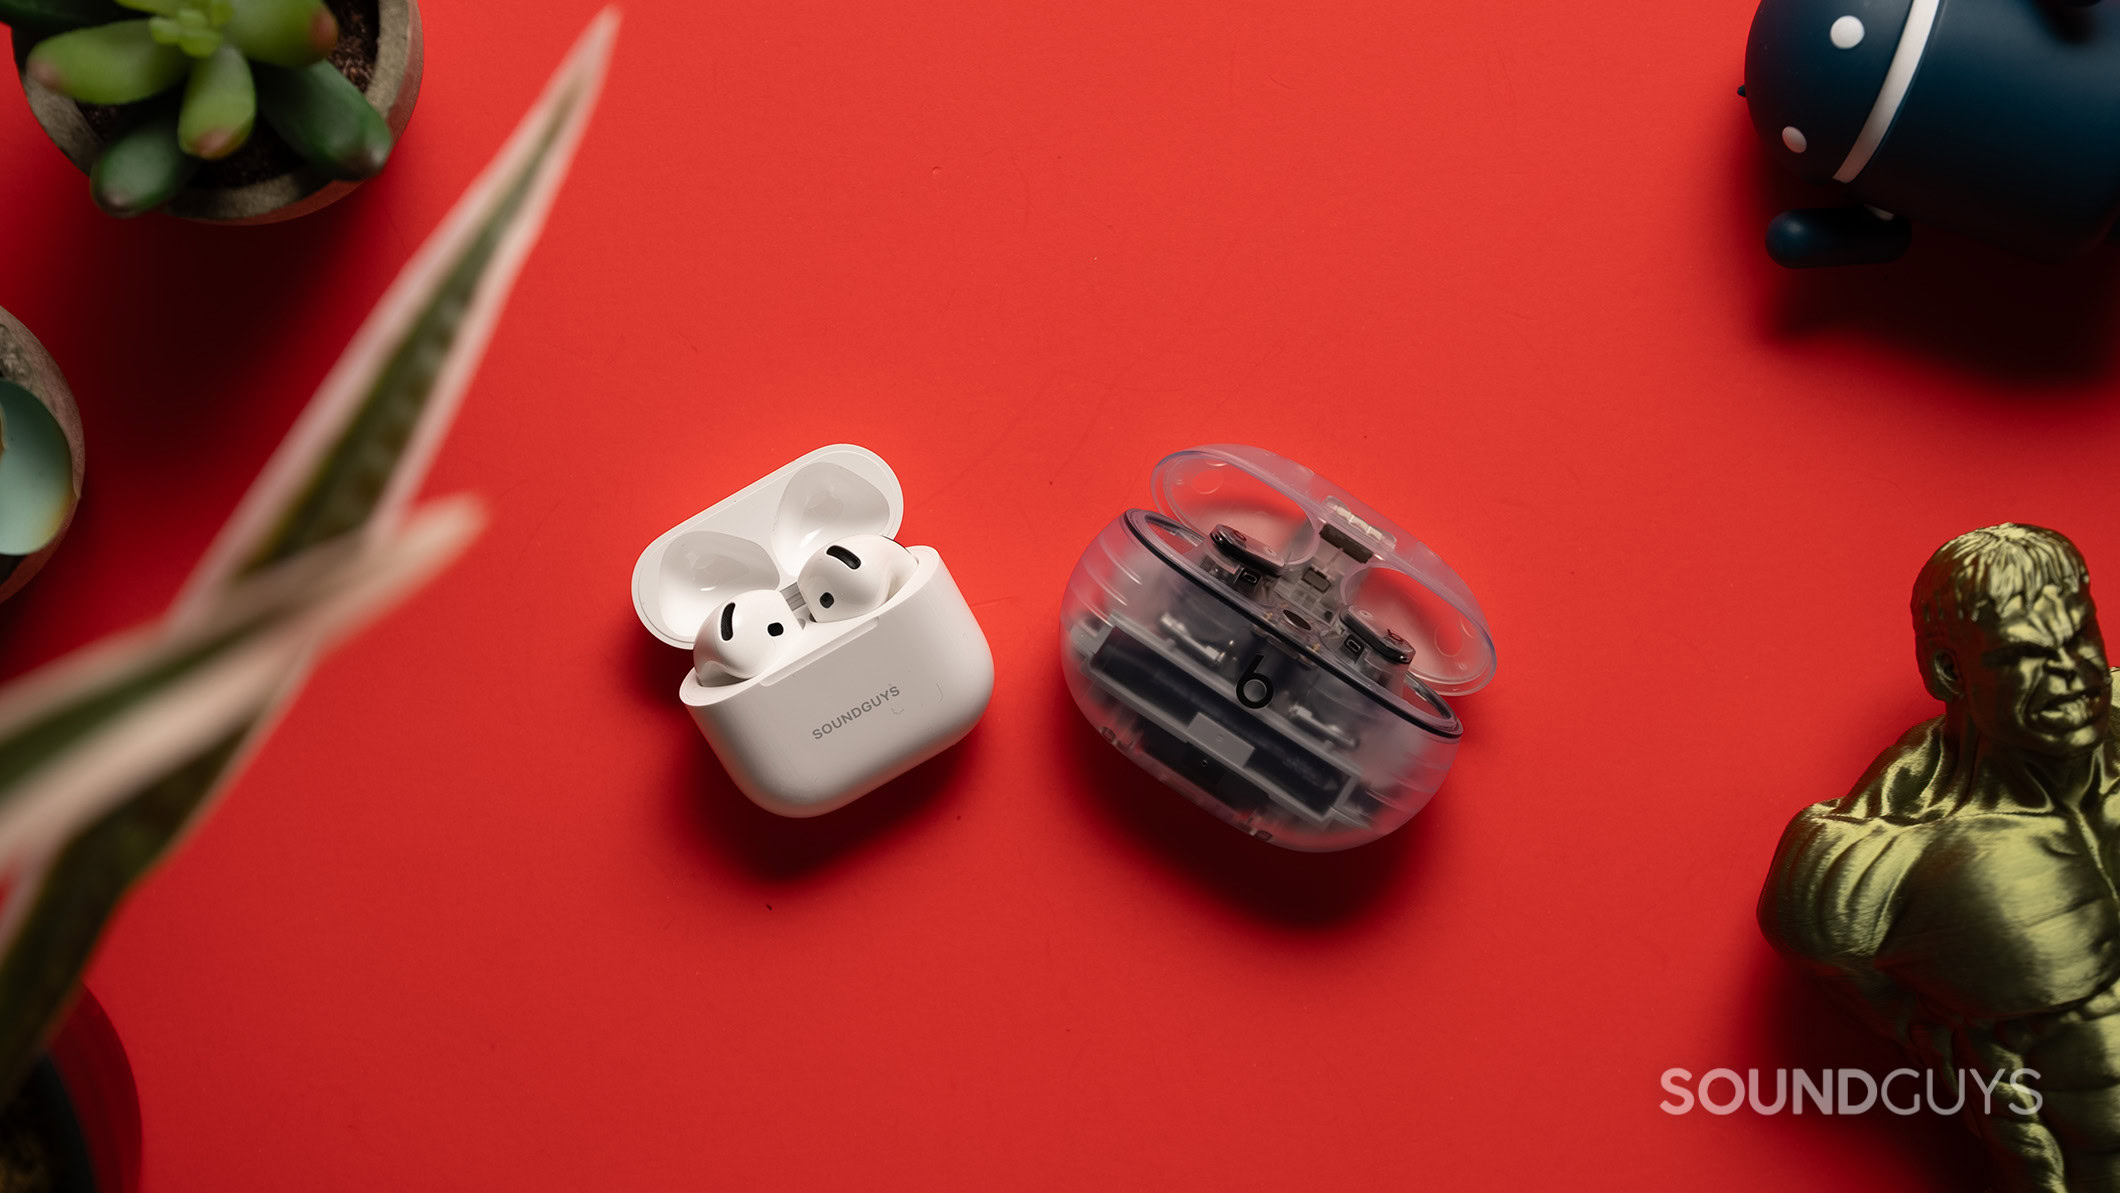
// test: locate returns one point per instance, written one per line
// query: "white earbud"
(746, 635)
(853, 576)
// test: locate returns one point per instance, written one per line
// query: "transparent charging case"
(1273, 648)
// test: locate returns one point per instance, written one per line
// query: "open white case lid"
(761, 536)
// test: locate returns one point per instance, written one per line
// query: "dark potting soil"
(40, 1148)
(264, 155)
(25, 1158)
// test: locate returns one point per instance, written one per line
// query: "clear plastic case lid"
(1284, 511)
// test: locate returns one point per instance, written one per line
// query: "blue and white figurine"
(1997, 119)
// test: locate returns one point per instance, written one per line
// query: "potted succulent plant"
(40, 455)
(110, 755)
(237, 111)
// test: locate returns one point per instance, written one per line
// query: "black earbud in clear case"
(1274, 649)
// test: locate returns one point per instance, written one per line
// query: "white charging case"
(866, 699)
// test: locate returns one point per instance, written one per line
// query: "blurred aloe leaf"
(109, 756)
(355, 456)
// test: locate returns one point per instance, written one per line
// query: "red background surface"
(486, 914)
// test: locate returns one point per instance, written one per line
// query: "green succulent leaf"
(282, 32)
(161, 8)
(188, 31)
(143, 167)
(220, 105)
(324, 118)
(36, 473)
(55, 16)
(118, 63)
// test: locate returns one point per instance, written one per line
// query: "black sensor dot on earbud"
(728, 622)
(773, 630)
(844, 556)
(824, 600)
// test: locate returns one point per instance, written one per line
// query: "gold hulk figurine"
(1962, 895)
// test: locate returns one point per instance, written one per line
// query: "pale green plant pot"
(393, 88)
(41, 457)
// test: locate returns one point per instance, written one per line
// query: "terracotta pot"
(393, 89)
(25, 362)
